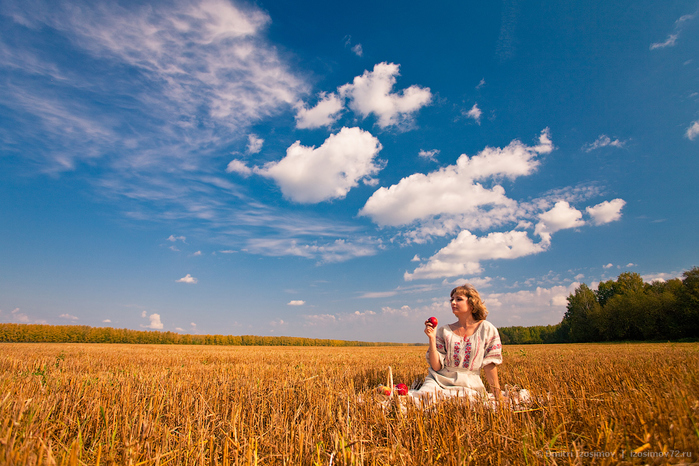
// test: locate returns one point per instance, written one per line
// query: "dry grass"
(170, 405)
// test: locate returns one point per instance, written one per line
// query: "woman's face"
(460, 305)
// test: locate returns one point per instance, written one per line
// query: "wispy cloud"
(429, 154)
(673, 36)
(603, 141)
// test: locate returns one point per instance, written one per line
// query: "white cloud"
(372, 93)
(68, 316)
(603, 141)
(174, 238)
(561, 217)
(337, 251)
(310, 175)
(357, 49)
(254, 144)
(203, 57)
(607, 211)
(429, 154)
(143, 314)
(155, 322)
(692, 131)
(669, 42)
(187, 279)
(481, 83)
(296, 302)
(20, 316)
(325, 113)
(198, 253)
(107, 321)
(378, 294)
(475, 113)
(529, 307)
(239, 167)
(462, 256)
(455, 189)
(608, 266)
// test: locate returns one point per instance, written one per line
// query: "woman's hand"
(430, 331)
(433, 355)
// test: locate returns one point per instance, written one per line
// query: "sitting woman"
(457, 352)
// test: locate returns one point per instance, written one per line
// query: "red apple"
(401, 388)
(433, 321)
(384, 390)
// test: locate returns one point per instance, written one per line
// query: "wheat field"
(73, 404)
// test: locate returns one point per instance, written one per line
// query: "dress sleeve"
(493, 346)
(441, 348)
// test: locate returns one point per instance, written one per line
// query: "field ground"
(170, 405)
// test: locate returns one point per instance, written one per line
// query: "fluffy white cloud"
(325, 113)
(68, 316)
(603, 141)
(310, 175)
(475, 113)
(605, 212)
(155, 322)
(296, 302)
(561, 217)
(358, 51)
(692, 131)
(372, 93)
(254, 144)
(455, 189)
(462, 256)
(187, 279)
(174, 238)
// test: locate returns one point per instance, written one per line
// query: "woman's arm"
(491, 375)
(432, 353)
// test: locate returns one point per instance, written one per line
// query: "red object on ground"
(401, 388)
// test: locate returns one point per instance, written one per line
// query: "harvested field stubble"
(128, 404)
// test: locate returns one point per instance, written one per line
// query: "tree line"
(31, 333)
(623, 309)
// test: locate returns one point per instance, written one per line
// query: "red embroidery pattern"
(455, 357)
(467, 354)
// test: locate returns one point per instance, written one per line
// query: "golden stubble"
(73, 404)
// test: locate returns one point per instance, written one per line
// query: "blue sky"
(326, 170)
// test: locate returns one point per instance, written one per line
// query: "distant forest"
(620, 310)
(30, 333)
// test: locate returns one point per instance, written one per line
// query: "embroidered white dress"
(462, 359)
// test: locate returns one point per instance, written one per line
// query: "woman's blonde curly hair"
(474, 300)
